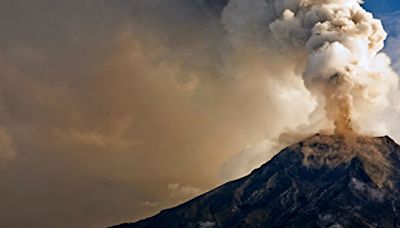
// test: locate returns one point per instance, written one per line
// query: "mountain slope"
(323, 181)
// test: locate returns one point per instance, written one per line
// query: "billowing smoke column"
(338, 43)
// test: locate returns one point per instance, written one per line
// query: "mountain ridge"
(298, 188)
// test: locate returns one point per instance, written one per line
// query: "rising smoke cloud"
(335, 46)
(104, 104)
(328, 54)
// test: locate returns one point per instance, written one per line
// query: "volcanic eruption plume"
(335, 45)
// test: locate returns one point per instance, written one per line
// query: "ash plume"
(334, 45)
(110, 88)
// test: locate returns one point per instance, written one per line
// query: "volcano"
(323, 181)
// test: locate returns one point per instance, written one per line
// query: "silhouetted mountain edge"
(323, 181)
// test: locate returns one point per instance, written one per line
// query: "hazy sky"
(113, 110)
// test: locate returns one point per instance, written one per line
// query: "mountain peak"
(322, 181)
(333, 150)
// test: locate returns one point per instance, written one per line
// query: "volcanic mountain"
(323, 181)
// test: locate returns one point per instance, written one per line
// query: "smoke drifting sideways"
(106, 104)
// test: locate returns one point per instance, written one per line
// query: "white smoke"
(336, 44)
(334, 48)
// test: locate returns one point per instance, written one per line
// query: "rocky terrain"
(323, 181)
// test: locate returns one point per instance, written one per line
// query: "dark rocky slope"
(324, 181)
